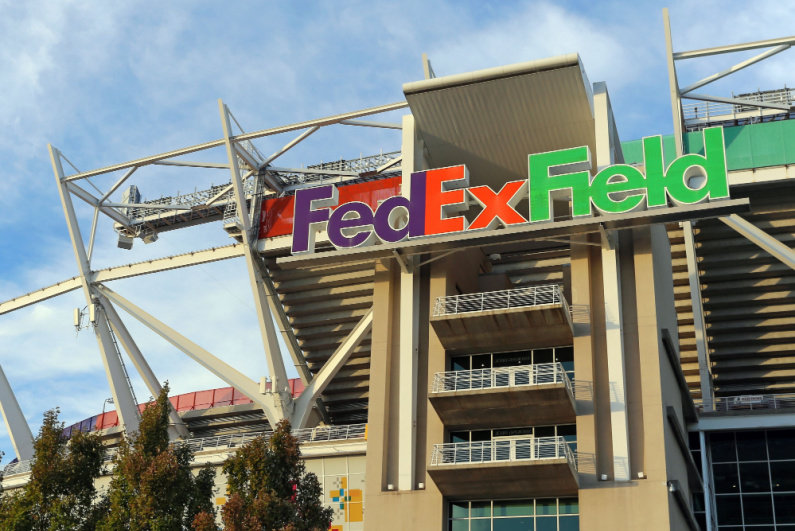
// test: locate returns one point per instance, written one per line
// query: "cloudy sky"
(108, 82)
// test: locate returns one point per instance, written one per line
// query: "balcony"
(519, 468)
(523, 395)
(530, 317)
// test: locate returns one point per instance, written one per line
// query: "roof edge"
(499, 72)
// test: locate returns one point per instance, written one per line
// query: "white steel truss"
(246, 164)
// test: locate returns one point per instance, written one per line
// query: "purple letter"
(359, 226)
(311, 211)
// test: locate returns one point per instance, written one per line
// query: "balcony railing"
(307, 435)
(503, 450)
(499, 300)
(747, 402)
(520, 375)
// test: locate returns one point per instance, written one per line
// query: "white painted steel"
(739, 101)
(330, 120)
(313, 390)
(506, 450)
(177, 428)
(699, 323)
(500, 377)
(706, 52)
(123, 399)
(761, 238)
(365, 123)
(290, 145)
(65, 286)
(736, 68)
(499, 300)
(16, 425)
(224, 371)
(281, 398)
(87, 197)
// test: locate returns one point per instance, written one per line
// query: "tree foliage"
(270, 489)
(153, 487)
(61, 493)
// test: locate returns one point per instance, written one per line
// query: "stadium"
(514, 321)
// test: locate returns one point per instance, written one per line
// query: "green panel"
(747, 146)
(633, 151)
(739, 154)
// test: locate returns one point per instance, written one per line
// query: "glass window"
(480, 509)
(569, 506)
(513, 508)
(513, 524)
(483, 524)
(512, 359)
(459, 510)
(758, 509)
(565, 355)
(544, 431)
(723, 447)
(547, 523)
(783, 475)
(729, 510)
(754, 477)
(547, 506)
(461, 363)
(569, 523)
(785, 508)
(727, 479)
(482, 361)
(459, 525)
(544, 355)
(751, 446)
(781, 444)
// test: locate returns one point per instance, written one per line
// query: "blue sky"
(108, 82)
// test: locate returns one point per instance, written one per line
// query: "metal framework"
(252, 177)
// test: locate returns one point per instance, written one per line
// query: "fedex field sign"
(440, 196)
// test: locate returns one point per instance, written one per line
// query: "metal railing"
(498, 450)
(499, 300)
(747, 403)
(519, 375)
(304, 436)
(709, 110)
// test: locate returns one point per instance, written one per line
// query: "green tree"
(153, 487)
(60, 494)
(270, 489)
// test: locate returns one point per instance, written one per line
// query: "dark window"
(758, 509)
(783, 475)
(754, 477)
(785, 508)
(543, 355)
(751, 446)
(781, 444)
(729, 510)
(726, 477)
(723, 447)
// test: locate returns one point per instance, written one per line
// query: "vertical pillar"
(409, 326)
(699, 324)
(17, 426)
(119, 385)
(611, 280)
(673, 81)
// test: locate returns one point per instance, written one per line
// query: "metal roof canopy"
(492, 119)
(518, 233)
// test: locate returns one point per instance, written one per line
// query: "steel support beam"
(706, 52)
(216, 366)
(305, 402)
(736, 68)
(699, 323)
(290, 145)
(18, 429)
(283, 400)
(673, 82)
(120, 389)
(330, 120)
(43, 294)
(177, 428)
(761, 238)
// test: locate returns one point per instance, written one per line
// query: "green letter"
(608, 182)
(542, 184)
